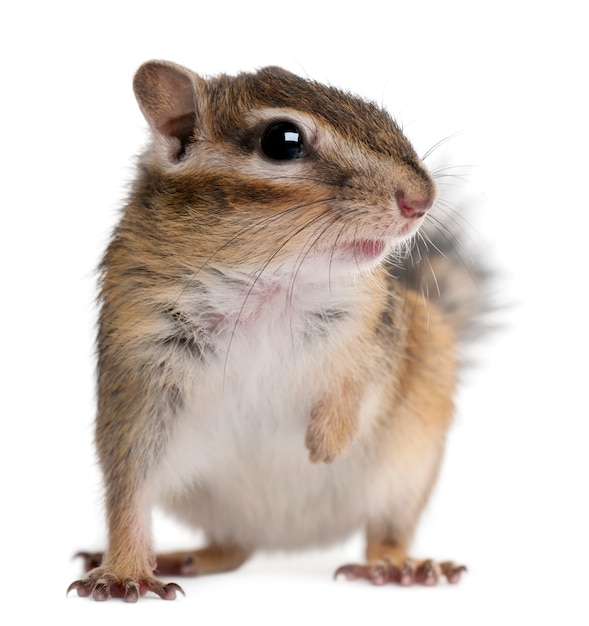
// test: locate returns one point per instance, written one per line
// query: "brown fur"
(206, 213)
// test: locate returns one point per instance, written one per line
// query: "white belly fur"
(236, 465)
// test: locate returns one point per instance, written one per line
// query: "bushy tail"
(447, 270)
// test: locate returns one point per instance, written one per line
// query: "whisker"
(260, 272)
(258, 224)
(454, 219)
(440, 143)
(304, 254)
(309, 246)
(449, 238)
(447, 170)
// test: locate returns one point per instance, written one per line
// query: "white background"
(511, 502)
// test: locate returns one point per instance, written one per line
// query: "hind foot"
(209, 560)
(409, 572)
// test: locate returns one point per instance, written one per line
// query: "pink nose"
(412, 207)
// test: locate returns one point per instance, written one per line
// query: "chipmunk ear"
(167, 96)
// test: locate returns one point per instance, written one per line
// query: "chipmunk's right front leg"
(127, 568)
(136, 410)
(334, 422)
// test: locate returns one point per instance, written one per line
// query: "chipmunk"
(270, 368)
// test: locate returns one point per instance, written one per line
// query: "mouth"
(366, 252)
(363, 251)
(368, 249)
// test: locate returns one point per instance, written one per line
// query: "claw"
(168, 591)
(80, 587)
(380, 574)
(352, 572)
(452, 572)
(101, 586)
(406, 574)
(100, 592)
(426, 573)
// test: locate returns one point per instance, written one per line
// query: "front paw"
(101, 584)
(323, 444)
(333, 425)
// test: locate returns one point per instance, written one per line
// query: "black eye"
(282, 141)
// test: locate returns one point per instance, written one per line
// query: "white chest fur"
(236, 465)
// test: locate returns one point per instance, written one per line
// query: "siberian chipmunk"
(270, 369)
